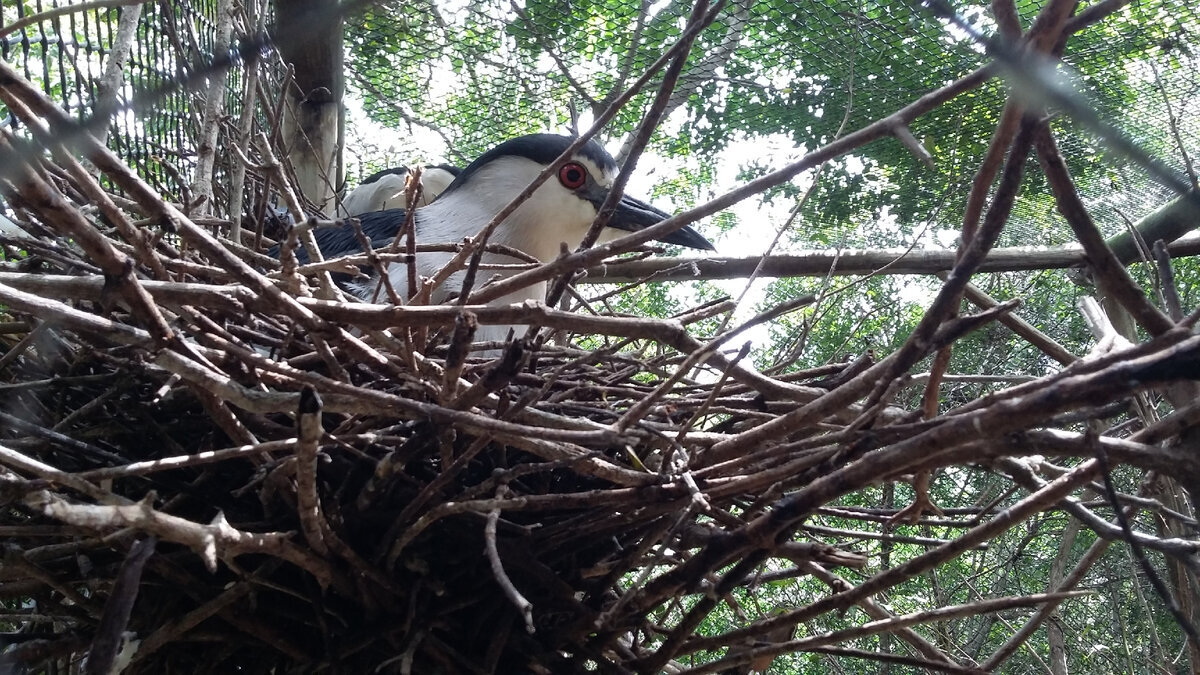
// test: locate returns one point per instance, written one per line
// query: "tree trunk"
(109, 86)
(214, 110)
(1058, 645)
(256, 11)
(312, 113)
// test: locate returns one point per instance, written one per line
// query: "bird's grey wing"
(380, 227)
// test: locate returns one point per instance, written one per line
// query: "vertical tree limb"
(214, 110)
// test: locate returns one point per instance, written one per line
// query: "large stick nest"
(200, 455)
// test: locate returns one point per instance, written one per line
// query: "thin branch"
(74, 8)
(493, 555)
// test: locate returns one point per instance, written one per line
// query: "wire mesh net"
(65, 55)
(453, 79)
(755, 96)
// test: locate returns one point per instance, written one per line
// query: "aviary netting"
(212, 462)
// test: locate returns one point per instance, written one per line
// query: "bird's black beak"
(633, 215)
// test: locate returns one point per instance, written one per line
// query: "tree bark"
(1058, 645)
(214, 110)
(255, 13)
(114, 66)
(846, 262)
(314, 99)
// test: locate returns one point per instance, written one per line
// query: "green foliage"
(855, 319)
(804, 74)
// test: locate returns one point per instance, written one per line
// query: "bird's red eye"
(572, 176)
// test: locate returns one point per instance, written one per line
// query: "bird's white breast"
(551, 216)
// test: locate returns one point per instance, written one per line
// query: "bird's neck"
(450, 218)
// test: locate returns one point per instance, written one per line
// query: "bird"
(559, 212)
(385, 189)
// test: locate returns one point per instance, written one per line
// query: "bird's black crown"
(541, 148)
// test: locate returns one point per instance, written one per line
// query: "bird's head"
(563, 208)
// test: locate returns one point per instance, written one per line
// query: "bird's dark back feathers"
(394, 171)
(401, 170)
(339, 240)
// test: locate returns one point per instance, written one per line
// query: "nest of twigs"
(208, 470)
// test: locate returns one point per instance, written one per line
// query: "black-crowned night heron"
(560, 211)
(385, 189)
